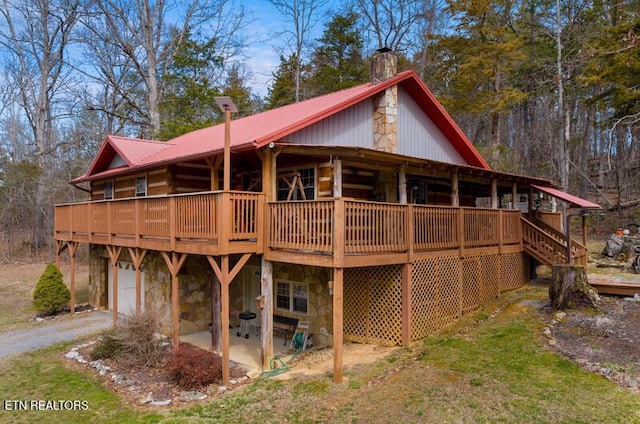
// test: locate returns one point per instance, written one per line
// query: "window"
(108, 190)
(141, 186)
(292, 296)
(297, 184)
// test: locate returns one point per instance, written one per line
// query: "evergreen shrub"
(51, 295)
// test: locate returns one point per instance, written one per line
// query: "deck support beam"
(73, 247)
(225, 276)
(137, 256)
(174, 263)
(114, 255)
(60, 247)
(407, 289)
(338, 330)
(266, 316)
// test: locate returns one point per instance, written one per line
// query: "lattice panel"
(373, 305)
(436, 296)
(515, 271)
(481, 280)
(472, 284)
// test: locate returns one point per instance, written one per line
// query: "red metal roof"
(574, 200)
(260, 129)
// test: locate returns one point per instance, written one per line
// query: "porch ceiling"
(385, 158)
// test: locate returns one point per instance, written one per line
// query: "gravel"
(53, 331)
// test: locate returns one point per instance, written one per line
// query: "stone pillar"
(385, 120)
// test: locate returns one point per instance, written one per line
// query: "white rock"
(72, 354)
(560, 316)
(191, 395)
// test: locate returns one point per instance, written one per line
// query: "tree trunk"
(571, 289)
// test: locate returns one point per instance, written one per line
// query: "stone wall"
(320, 310)
(196, 279)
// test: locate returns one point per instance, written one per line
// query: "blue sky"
(263, 57)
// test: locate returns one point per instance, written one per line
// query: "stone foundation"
(196, 279)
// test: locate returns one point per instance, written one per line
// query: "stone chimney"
(385, 115)
(384, 66)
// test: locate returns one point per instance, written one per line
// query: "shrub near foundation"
(51, 295)
(191, 367)
(142, 343)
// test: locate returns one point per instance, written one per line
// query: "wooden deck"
(620, 288)
(330, 232)
(194, 224)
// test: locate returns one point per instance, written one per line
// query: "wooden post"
(461, 232)
(114, 254)
(214, 166)
(337, 177)
(58, 243)
(137, 256)
(338, 290)
(73, 246)
(216, 315)
(514, 196)
(568, 227)
(500, 230)
(406, 303)
(225, 276)
(174, 263)
(266, 317)
(494, 193)
(338, 233)
(455, 195)
(411, 231)
(227, 148)
(224, 300)
(402, 184)
(172, 222)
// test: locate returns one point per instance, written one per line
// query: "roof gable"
(119, 154)
(258, 130)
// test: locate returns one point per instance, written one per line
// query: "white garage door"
(126, 288)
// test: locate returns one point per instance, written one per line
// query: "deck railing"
(549, 246)
(371, 227)
(374, 227)
(304, 225)
(197, 223)
(164, 222)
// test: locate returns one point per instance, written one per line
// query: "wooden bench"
(285, 326)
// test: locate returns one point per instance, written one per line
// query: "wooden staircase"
(548, 245)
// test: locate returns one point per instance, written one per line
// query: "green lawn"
(492, 367)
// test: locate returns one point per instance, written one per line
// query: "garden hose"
(280, 366)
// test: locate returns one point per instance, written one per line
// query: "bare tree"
(36, 37)
(131, 44)
(395, 24)
(304, 15)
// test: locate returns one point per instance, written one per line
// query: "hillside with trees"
(546, 88)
